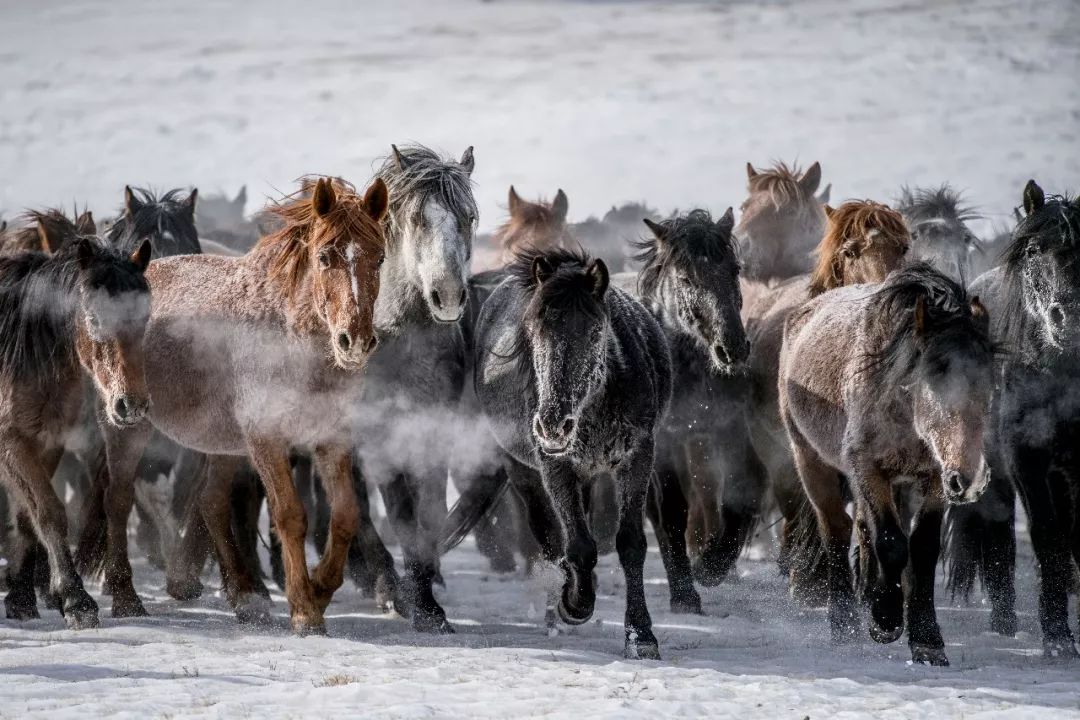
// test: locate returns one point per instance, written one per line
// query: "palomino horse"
(574, 378)
(83, 308)
(884, 384)
(705, 465)
(1035, 300)
(863, 242)
(254, 355)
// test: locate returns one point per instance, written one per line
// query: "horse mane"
(290, 243)
(920, 204)
(687, 240)
(424, 175)
(854, 217)
(948, 323)
(1055, 225)
(168, 216)
(59, 227)
(38, 297)
(781, 184)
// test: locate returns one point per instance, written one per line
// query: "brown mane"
(529, 219)
(290, 244)
(781, 184)
(853, 219)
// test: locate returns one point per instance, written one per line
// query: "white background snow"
(611, 101)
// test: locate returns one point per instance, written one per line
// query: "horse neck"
(292, 306)
(400, 305)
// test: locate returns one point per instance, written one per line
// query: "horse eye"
(905, 249)
(324, 260)
(382, 259)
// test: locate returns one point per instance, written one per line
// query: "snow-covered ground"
(612, 101)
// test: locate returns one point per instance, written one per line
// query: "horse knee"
(582, 553)
(344, 521)
(290, 520)
(631, 545)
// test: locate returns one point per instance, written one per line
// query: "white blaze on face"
(443, 227)
(350, 260)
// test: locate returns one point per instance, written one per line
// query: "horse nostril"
(344, 342)
(954, 481)
(372, 343)
(567, 427)
(436, 300)
(1057, 315)
(722, 353)
(121, 407)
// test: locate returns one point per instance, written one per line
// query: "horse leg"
(888, 547)
(246, 498)
(216, 510)
(369, 547)
(999, 554)
(667, 511)
(924, 633)
(430, 515)
(31, 471)
(124, 449)
(579, 592)
(633, 477)
(335, 473)
(539, 524)
(21, 601)
(824, 492)
(271, 461)
(703, 522)
(90, 551)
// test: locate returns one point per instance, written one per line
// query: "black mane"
(39, 294)
(688, 240)
(169, 222)
(919, 204)
(568, 290)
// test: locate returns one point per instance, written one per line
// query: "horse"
(940, 235)
(221, 222)
(82, 309)
(782, 221)
(863, 241)
(168, 221)
(888, 385)
(254, 355)
(1035, 298)
(45, 231)
(574, 377)
(709, 479)
(539, 225)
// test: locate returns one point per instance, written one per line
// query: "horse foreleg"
(31, 471)
(886, 541)
(667, 511)
(335, 473)
(633, 477)
(579, 592)
(924, 633)
(271, 461)
(124, 448)
(20, 603)
(369, 548)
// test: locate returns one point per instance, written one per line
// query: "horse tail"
(477, 502)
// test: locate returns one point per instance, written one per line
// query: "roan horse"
(884, 384)
(862, 243)
(83, 308)
(1035, 299)
(255, 355)
(574, 378)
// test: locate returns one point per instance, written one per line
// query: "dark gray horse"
(940, 235)
(574, 377)
(1035, 296)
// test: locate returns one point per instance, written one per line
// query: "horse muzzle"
(126, 410)
(961, 489)
(554, 440)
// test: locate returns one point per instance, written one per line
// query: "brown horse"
(537, 225)
(82, 309)
(254, 355)
(45, 231)
(864, 241)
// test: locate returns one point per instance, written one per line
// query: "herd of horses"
(834, 365)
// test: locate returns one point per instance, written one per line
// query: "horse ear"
(324, 198)
(751, 173)
(49, 244)
(727, 220)
(189, 204)
(241, 197)
(3, 225)
(513, 202)
(84, 224)
(811, 179)
(828, 210)
(598, 273)
(657, 228)
(542, 269)
(561, 205)
(141, 257)
(467, 160)
(920, 316)
(979, 312)
(823, 196)
(377, 199)
(1034, 197)
(399, 159)
(131, 202)
(84, 253)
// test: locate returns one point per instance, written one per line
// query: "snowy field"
(611, 101)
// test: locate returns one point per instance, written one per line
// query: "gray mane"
(424, 176)
(921, 204)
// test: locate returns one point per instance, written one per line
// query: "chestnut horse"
(254, 355)
(537, 225)
(863, 242)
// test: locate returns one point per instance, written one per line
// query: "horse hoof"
(689, 604)
(639, 648)
(706, 575)
(21, 609)
(1059, 649)
(81, 612)
(304, 626)
(253, 609)
(1005, 624)
(128, 607)
(184, 590)
(885, 635)
(929, 655)
(432, 623)
(53, 601)
(573, 617)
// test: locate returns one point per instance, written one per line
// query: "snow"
(611, 101)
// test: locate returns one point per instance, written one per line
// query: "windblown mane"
(168, 220)
(853, 218)
(781, 184)
(291, 243)
(528, 215)
(38, 298)
(1053, 227)
(424, 176)
(688, 240)
(949, 323)
(920, 204)
(59, 227)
